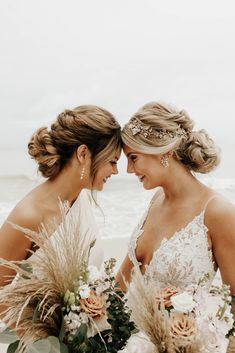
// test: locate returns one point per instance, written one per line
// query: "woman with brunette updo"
(79, 151)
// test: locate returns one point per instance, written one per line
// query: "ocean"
(121, 203)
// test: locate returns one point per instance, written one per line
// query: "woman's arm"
(14, 244)
(124, 274)
(220, 220)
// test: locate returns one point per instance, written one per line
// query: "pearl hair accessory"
(137, 127)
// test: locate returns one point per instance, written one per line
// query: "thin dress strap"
(208, 201)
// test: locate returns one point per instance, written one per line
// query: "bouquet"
(58, 302)
(193, 320)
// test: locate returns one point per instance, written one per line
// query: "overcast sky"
(57, 54)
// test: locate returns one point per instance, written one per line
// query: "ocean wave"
(219, 183)
(23, 179)
(18, 177)
(211, 181)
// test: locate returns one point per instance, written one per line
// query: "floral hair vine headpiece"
(137, 127)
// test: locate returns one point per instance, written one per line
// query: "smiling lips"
(141, 177)
(105, 179)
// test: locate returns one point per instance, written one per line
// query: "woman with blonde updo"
(188, 229)
(80, 151)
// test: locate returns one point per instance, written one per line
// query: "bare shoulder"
(14, 244)
(26, 214)
(220, 217)
(219, 206)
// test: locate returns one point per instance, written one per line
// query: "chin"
(99, 187)
(148, 186)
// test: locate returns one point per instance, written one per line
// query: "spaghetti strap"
(208, 201)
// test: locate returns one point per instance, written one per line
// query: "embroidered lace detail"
(180, 260)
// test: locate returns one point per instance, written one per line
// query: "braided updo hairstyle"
(88, 124)
(195, 149)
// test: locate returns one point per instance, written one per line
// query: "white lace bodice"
(182, 259)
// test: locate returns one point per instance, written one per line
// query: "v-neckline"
(176, 234)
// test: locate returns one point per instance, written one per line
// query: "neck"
(66, 186)
(180, 183)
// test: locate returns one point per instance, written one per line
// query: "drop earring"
(165, 161)
(82, 173)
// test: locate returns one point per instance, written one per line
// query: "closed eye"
(133, 158)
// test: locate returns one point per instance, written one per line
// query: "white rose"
(83, 318)
(183, 302)
(84, 291)
(72, 321)
(94, 274)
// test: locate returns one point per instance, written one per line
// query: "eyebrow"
(130, 153)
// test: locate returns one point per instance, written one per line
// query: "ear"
(82, 153)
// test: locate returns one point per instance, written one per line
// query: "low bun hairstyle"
(171, 130)
(199, 152)
(41, 147)
(88, 124)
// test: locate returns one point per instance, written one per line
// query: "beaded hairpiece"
(137, 127)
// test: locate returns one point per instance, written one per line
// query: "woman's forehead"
(127, 149)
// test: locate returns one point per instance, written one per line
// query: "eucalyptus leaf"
(40, 346)
(63, 348)
(55, 344)
(50, 344)
(12, 348)
(62, 329)
(8, 336)
(81, 333)
(26, 267)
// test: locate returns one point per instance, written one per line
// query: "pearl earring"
(165, 161)
(82, 173)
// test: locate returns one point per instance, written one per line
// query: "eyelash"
(113, 162)
(133, 158)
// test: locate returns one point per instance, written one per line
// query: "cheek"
(100, 175)
(143, 167)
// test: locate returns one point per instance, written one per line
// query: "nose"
(130, 168)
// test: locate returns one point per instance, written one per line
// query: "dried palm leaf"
(152, 318)
(33, 300)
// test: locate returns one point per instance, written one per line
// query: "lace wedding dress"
(180, 260)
